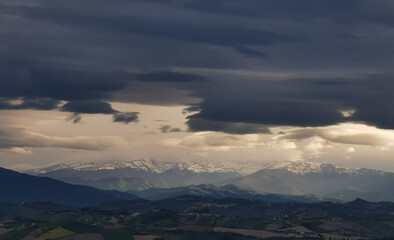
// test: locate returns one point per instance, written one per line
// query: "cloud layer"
(355, 134)
(215, 141)
(251, 64)
(15, 140)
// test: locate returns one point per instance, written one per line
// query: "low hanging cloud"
(97, 107)
(125, 117)
(355, 134)
(316, 147)
(169, 76)
(350, 150)
(17, 139)
(281, 144)
(215, 141)
(16, 150)
(75, 118)
(89, 107)
(196, 125)
(301, 102)
(41, 103)
(168, 129)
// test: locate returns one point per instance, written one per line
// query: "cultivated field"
(256, 233)
(84, 236)
(56, 233)
(4, 230)
(145, 237)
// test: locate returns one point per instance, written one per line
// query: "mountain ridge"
(226, 191)
(295, 166)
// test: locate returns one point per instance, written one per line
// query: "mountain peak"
(358, 202)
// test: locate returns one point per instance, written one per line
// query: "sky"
(246, 81)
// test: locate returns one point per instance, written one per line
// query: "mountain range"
(155, 166)
(153, 173)
(155, 178)
(329, 182)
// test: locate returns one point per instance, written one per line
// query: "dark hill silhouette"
(18, 187)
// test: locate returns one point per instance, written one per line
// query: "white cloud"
(16, 150)
(215, 141)
(16, 140)
(350, 150)
(315, 147)
(348, 113)
(356, 134)
(281, 144)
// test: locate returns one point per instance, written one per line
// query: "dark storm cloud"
(191, 108)
(71, 84)
(169, 76)
(195, 124)
(334, 10)
(97, 107)
(88, 106)
(209, 33)
(125, 117)
(37, 104)
(168, 129)
(43, 88)
(269, 112)
(157, 94)
(75, 118)
(241, 64)
(250, 52)
(303, 102)
(267, 8)
(26, 80)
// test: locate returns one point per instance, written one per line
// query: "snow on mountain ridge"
(150, 166)
(297, 167)
(303, 167)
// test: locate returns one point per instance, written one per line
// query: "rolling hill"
(212, 191)
(19, 187)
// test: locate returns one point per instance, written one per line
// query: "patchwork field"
(257, 233)
(146, 237)
(182, 219)
(36, 232)
(56, 233)
(84, 236)
(4, 230)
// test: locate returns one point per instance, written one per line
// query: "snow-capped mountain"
(153, 166)
(155, 173)
(304, 167)
(297, 166)
(290, 177)
(324, 180)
